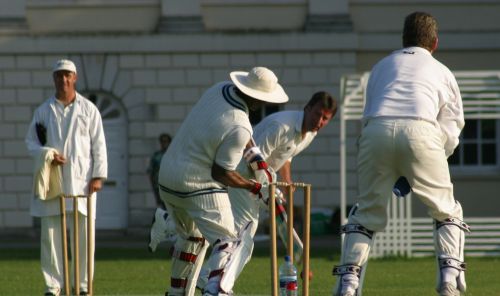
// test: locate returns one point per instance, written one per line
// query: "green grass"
(136, 272)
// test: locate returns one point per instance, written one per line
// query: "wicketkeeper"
(411, 123)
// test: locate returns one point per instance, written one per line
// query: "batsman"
(277, 139)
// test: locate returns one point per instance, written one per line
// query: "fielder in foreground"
(197, 169)
(412, 120)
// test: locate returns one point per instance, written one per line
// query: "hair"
(420, 29)
(165, 135)
(325, 99)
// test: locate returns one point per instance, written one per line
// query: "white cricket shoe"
(162, 229)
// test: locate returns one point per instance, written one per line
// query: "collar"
(416, 49)
(233, 99)
(76, 100)
(298, 127)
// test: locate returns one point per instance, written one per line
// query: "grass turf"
(136, 272)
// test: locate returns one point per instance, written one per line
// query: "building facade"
(146, 62)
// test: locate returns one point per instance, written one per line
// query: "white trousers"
(389, 148)
(208, 216)
(51, 251)
(245, 208)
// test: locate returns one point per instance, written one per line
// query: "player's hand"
(58, 159)
(95, 185)
(264, 195)
(265, 176)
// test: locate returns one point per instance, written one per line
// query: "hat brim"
(277, 96)
(64, 69)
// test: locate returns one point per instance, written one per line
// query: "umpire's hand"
(95, 185)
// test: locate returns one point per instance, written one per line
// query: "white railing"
(413, 236)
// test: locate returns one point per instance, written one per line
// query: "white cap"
(64, 65)
(260, 83)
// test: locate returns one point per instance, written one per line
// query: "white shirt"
(411, 83)
(216, 130)
(279, 137)
(83, 146)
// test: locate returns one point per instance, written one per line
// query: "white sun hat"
(260, 83)
(64, 65)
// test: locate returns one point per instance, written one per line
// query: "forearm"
(231, 178)
(286, 172)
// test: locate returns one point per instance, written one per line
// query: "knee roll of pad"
(449, 238)
(233, 255)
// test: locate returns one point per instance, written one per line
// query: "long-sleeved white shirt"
(411, 83)
(77, 133)
(216, 131)
(279, 137)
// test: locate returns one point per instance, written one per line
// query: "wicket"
(305, 232)
(90, 245)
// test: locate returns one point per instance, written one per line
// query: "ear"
(435, 45)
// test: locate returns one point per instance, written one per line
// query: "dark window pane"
(112, 114)
(470, 129)
(489, 153)
(488, 130)
(470, 154)
(93, 98)
(105, 103)
(454, 159)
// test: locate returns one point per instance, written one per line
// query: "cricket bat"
(281, 225)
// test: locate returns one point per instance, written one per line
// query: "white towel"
(47, 181)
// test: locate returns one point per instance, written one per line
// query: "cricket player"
(197, 170)
(279, 137)
(411, 124)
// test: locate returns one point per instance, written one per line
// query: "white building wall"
(158, 78)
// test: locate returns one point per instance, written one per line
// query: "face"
(164, 143)
(64, 81)
(316, 117)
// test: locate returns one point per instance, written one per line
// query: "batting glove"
(262, 193)
(255, 159)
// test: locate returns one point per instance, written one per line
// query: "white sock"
(350, 283)
(450, 275)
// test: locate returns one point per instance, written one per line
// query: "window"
(479, 145)
(257, 115)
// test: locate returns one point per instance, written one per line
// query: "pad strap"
(178, 283)
(453, 221)
(453, 263)
(356, 228)
(188, 257)
(347, 269)
(196, 239)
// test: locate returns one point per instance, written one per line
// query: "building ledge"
(59, 16)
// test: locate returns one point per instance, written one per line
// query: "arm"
(286, 172)
(232, 178)
(98, 147)
(286, 175)
(451, 119)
